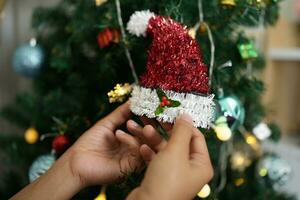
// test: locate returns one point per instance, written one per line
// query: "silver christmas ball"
(40, 166)
(276, 170)
(28, 59)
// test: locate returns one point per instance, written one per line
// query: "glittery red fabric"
(174, 59)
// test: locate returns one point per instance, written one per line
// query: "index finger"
(118, 117)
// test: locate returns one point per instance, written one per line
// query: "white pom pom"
(138, 22)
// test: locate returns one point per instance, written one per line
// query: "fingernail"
(186, 117)
(120, 132)
(133, 123)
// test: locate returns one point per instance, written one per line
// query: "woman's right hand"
(181, 166)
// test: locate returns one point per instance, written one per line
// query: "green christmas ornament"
(248, 50)
(233, 110)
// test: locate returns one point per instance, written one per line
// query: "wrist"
(67, 184)
(57, 183)
(70, 176)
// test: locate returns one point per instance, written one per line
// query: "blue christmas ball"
(28, 60)
(40, 166)
(233, 109)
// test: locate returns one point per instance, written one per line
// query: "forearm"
(141, 193)
(57, 183)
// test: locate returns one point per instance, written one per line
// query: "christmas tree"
(83, 62)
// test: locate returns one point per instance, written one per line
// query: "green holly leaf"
(160, 94)
(159, 110)
(175, 104)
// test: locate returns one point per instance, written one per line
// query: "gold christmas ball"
(238, 182)
(31, 136)
(228, 3)
(202, 28)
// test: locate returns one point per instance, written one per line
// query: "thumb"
(181, 135)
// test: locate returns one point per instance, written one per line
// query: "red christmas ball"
(61, 143)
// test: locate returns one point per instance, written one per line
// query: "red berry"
(61, 143)
(164, 99)
(163, 104)
(168, 103)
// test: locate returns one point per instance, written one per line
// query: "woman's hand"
(180, 168)
(100, 156)
(104, 154)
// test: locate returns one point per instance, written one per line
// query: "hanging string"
(212, 57)
(225, 152)
(226, 148)
(249, 71)
(200, 7)
(124, 38)
(222, 173)
(211, 40)
(261, 29)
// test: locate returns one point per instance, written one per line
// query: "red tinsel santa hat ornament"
(176, 80)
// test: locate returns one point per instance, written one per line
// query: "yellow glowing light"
(229, 3)
(240, 160)
(263, 172)
(238, 182)
(223, 132)
(251, 140)
(205, 191)
(102, 195)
